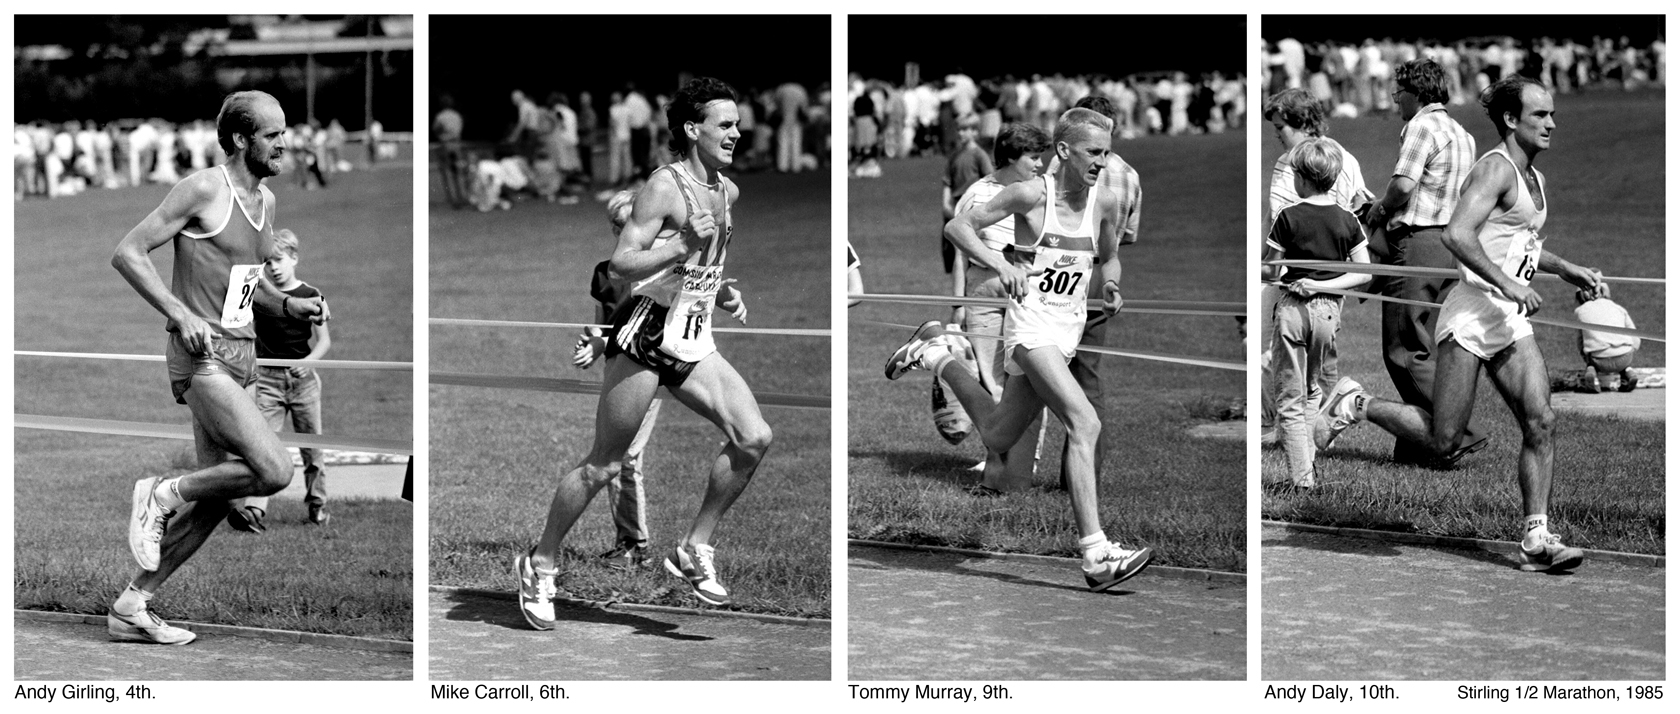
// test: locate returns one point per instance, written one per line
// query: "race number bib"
(1524, 262)
(688, 324)
(1064, 284)
(242, 290)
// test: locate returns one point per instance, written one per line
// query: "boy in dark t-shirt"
(627, 495)
(1307, 317)
(294, 391)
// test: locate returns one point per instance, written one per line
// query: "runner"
(673, 249)
(218, 279)
(1495, 235)
(1062, 228)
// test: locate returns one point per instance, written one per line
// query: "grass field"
(1160, 487)
(498, 453)
(71, 490)
(1603, 183)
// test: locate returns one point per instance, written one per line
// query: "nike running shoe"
(694, 564)
(537, 591)
(143, 626)
(1341, 410)
(909, 356)
(147, 520)
(1552, 557)
(1116, 566)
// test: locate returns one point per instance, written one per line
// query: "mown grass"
(1608, 475)
(71, 490)
(497, 453)
(1160, 487)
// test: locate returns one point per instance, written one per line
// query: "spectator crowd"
(1353, 79)
(61, 159)
(891, 121)
(570, 146)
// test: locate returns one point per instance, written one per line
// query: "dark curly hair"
(689, 105)
(1298, 109)
(1424, 78)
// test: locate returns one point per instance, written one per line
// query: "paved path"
(940, 616)
(380, 481)
(60, 651)
(476, 638)
(1638, 405)
(1345, 608)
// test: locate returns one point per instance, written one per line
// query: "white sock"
(935, 357)
(1093, 546)
(131, 600)
(1534, 531)
(168, 493)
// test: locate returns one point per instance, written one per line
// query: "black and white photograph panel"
(630, 303)
(1463, 384)
(213, 252)
(1046, 340)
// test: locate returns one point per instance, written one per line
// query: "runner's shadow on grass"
(505, 614)
(951, 563)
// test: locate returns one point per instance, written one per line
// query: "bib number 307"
(1059, 282)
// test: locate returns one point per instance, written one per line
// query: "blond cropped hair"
(1317, 161)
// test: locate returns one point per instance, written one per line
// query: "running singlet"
(1512, 238)
(1053, 311)
(216, 272)
(689, 289)
(1475, 314)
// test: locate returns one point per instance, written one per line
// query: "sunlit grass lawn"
(1160, 487)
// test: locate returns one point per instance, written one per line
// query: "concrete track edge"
(1217, 576)
(307, 638)
(1492, 546)
(638, 607)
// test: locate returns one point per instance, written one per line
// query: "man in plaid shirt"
(1436, 155)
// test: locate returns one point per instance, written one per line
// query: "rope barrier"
(579, 386)
(185, 432)
(1162, 307)
(264, 362)
(1135, 354)
(782, 331)
(1406, 271)
(1552, 321)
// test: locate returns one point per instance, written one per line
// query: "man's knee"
(1539, 423)
(754, 438)
(1083, 426)
(273, 468)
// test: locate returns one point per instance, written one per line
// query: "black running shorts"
(637, 329)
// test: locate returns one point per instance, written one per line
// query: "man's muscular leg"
(716, 391)
(1055, 386)
(1519, 373)
(626, 393)
(228, 418)
(1438, 434)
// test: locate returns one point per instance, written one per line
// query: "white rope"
(1162, 307)
(263, 362)
(1550, 321)
(782, 331)
(185, 432)
(1407, 271)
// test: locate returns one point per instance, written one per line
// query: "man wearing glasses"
(1436, 155)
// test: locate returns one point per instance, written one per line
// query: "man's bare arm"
(635, 257)
(1108, 250)
(964, 230)
(1488, 182)
(1394, 200)
(1585, 278)
(133, 255)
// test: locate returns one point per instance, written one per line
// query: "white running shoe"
(537, 591)
(147, 521)
(694, 564)
(1341, 410)
(909, 356)
(1553, 556)
(1116, 566)
(143, 626)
